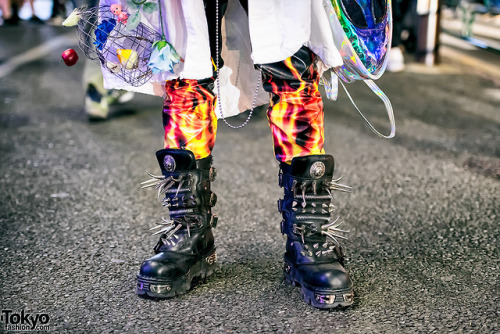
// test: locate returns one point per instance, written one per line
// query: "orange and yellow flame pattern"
(295, 113)
(189, 117)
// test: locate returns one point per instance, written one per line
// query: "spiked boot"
(186, 250)
(313, 257)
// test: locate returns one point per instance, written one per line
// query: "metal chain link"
(217, 56)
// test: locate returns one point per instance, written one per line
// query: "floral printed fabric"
(163, 57)
(102, 32)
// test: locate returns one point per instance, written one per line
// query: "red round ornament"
(70, 57)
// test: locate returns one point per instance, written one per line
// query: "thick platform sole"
(161, 289)
(322, 299)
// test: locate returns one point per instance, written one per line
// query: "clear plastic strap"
(331, 86)
(388, 108)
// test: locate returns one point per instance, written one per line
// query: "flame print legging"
(295, 113)
(189, 117)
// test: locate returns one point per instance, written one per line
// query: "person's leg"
(296, 110)
(96, 104)
(186, 248)
(14, 12)
(58, 12)
(97, 98)
(397, 22)
(313, 257)
(395, 61)
(188, 112)
(34, 18)
(211, 14)
(5, 6)
(188, 116)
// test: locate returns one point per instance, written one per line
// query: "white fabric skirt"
(273, 31)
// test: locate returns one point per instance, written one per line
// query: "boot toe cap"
(330, 276)
(162, 268)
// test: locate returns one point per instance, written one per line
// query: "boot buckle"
(212, 200)
(156, 248)
(349, 297)
(299, 230)
(163, 288)
(212, 174)
(213, 221)
(212, 259)
(325, 299)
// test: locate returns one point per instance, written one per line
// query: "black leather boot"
(313, 257)
(186, 250)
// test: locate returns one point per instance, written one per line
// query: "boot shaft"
(312, 235)
(306, 205)
(186, 248)
(186, 183)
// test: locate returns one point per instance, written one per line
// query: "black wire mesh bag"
(125, 53)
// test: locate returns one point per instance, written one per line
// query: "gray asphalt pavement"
(423, 218)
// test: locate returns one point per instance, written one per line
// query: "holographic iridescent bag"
(362, 32)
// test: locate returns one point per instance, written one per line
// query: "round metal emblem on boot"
(317, 170)
(169, 163)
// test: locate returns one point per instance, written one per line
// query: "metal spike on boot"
(186, 249)
(313, 257)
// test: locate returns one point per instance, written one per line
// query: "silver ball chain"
(217, 53)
